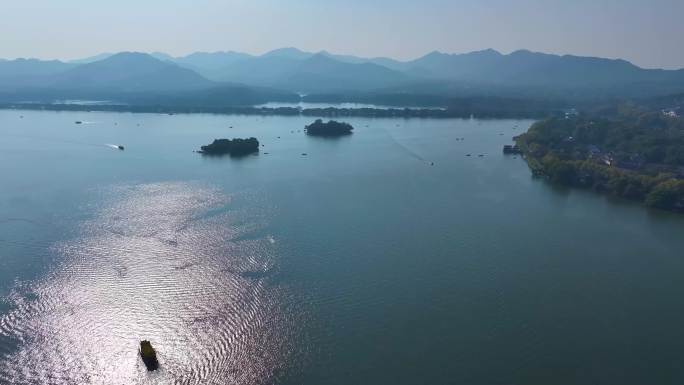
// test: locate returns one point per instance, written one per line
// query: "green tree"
(668, 195)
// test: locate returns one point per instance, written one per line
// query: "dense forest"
(628, 151)
(235, 147)
(332, 128)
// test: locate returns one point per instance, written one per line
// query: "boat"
(120, 147)
(148, 355)
(79, 122)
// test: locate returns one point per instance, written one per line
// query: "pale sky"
(646, 32)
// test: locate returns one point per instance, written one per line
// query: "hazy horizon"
(257, 54)
(644, 33)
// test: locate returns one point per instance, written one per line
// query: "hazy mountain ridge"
(536, 69)
(127, 77)
(321, 73)
(486, 68)
(130, 71)
(210, 64)
(29, 72)
(488, 72)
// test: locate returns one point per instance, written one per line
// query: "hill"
(481, 73)
(129, 78)
(610, 77)
(130, 72)
(436, 79)
(29, 72)
(323, 73)
(210, 64)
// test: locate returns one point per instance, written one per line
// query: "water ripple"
(174, 263)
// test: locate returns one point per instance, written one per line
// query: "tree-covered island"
(332, 128)
(234, 147)
(631, 152)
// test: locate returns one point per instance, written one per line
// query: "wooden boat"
(148, 355)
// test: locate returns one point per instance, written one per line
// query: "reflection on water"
(174, 263)
(359, 263)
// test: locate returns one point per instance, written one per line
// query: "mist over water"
(387, 256)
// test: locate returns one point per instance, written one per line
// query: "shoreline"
(331, 112)
(662, 191)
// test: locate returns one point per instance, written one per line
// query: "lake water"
(358, 263)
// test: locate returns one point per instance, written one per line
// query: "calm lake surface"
(358, 263)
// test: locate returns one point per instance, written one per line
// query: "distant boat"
(79, 122)
(148, 355)
(120, 147)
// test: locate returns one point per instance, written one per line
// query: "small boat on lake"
(120, 147)
(79, 122)
(148, 355)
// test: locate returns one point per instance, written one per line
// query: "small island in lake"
(148, 355)
(332, 128)
(234, 147)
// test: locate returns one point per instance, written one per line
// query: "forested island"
(630, 152)
(234, 147)
(332, 128)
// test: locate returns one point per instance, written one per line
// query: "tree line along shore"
(630, 152)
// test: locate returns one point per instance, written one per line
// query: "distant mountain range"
(127, 77)
(521, 73)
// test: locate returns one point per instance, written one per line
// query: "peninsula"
(634, 153)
